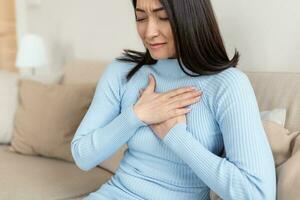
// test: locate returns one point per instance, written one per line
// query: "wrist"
(137, 113)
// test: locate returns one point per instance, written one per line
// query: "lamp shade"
(31, 52)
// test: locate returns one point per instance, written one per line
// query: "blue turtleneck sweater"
(187, 162)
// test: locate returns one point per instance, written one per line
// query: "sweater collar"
(171, 68)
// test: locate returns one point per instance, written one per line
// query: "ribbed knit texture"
(187, 162)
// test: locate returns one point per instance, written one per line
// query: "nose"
(152, 29)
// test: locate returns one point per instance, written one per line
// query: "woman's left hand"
(161, 129)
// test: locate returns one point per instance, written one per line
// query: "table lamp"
(31, 53)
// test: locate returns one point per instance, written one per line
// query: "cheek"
(170, 35)
(141, 31)
(171, 43)
(167, 32)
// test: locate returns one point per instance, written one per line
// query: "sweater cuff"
(131, 117)
(176, 134)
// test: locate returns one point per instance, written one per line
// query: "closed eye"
(164, 18)
(161, 18)
(138, 20)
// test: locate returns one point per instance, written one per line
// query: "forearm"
(223, 176)
(89, 148)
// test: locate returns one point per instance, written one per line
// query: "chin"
(159, 56)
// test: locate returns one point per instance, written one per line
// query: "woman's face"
(154, 29)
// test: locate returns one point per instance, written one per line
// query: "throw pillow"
(9, 99)
(277, 115)
(8, 104)
(281, 140)
(48, 116)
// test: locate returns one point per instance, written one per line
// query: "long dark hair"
(197, 39)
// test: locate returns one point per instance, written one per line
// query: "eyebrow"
(154, 10)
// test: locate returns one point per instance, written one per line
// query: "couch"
(28, 177)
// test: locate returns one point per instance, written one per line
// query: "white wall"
(85, 29)
(266, 32)
(21, 19)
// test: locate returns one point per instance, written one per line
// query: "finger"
(185, 96)
(177, 91)
(184, 103)
(181, 111)
(151, 84)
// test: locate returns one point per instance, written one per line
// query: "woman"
(175, 139)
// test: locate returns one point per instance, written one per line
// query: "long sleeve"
(104, 128)
(248, 170)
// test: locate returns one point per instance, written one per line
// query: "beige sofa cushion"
(288, 176)
(278, 90)
(83, 71)
(288, 173)
(48, 116)
(281, 141)
(28, 177)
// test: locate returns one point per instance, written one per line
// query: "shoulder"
(113, 78)
(116, 67)
(231, 83)
(234, 92)
(229, 80)
(231, 77)
(116, 71)
(233, 87)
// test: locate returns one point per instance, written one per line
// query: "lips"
(156, 45)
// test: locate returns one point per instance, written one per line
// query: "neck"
(171, 68)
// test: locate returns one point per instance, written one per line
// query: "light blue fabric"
(187, 162)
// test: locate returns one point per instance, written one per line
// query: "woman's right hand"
(154, 107)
